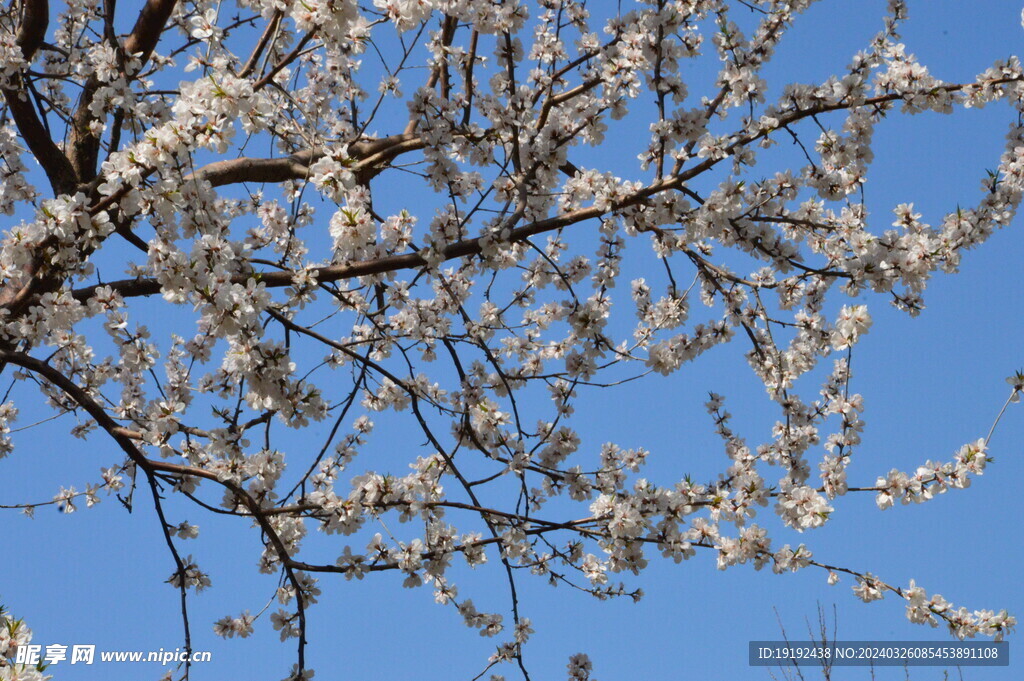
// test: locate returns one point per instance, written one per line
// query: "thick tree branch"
(31, 34)
(148, 27)
(55, 164)
(234, 171)
(35, 16)
(369, 156)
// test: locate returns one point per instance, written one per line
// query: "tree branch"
(148, 27)
(55, 164)
(31, 33)
(220, 173)
(85, 144)
(130, 288)
(370, 158)
(35, 16)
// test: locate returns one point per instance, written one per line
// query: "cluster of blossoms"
(303, 243)
(922, 609)
(933, 478)
(11, 58)
(66, 498)
(14, 633)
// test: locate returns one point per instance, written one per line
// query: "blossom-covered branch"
(406, 206)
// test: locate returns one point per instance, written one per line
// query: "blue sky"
(930, 384)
